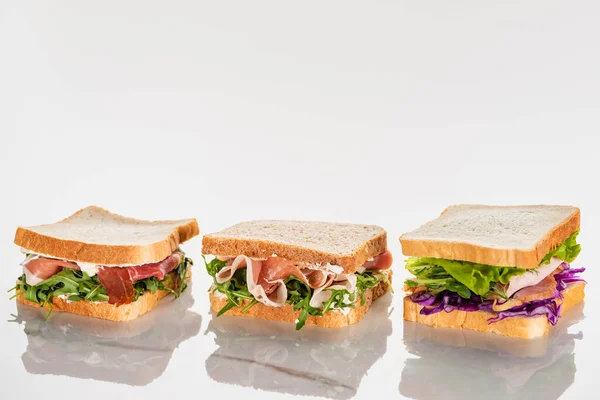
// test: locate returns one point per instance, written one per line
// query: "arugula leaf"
(302, 317)
(235, 289)
(369, 279)
(299, 293)
(78, 285)
(65, 282)
(230, 304)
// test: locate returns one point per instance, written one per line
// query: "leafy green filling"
(567, 251)
(78, 285)
(299, 293)
(464, 277)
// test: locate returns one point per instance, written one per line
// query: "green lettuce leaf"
(434, 278)
(464, 277)
(479, 278)
(567, 251)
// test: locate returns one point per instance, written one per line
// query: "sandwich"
(135, 353)
(103, 265)
(504, 270)
(320, 362)
(314, 273)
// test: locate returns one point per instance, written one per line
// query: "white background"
(381, 113)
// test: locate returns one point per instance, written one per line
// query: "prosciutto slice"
(317, 278)
(118, 281)
(324, 293)
(532, 277)
(226, 273)
(118, 285)
(39, 269)
(266, 278)
(379, 263)
(546, 289)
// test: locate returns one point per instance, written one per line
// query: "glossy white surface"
(174, 346)
(369, 112)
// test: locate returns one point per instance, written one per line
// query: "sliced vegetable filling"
(449, 285)
(276, 281)
(115, 285)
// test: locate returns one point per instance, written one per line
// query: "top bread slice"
(346, 245)
(94, 235)
(506, 236)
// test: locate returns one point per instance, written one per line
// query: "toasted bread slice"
(521, 327)
(94, 235)
(286, 313)
(346, 245)
(103, 310)
(506, 236)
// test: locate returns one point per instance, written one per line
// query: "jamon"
(39, 269)
(266, 278)
(118, 281)
(380, 262)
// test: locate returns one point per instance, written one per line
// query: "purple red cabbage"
(449, 301)
(547, 307)
(567, 276)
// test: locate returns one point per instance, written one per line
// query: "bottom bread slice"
(521, 327)
(103, 310)
(286, 313)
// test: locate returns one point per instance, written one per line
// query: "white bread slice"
(521, 327)
(415, 332)
(507, 236)
(94, 235)
(346, 245)
(286, 313)
(103, 310)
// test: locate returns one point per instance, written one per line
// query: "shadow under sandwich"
(453, 363)
(322, 362)
(133, 353)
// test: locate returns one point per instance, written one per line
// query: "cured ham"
(546, 289)
(118, 285)
(380, 263)
(157, 270)
(532, 277)
(324, 293)
(266, 278)
(316, 277)
(276, 268)
(118, 281)
(39, 269)
(226, 273)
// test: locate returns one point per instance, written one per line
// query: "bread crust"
(521, 327)
(286, 312)
(530, 258)
(103, 310)
(103, 254)
(255, 248)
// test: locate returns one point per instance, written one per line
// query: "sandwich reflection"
(134, 353)
(455, 363)
(322, 362)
